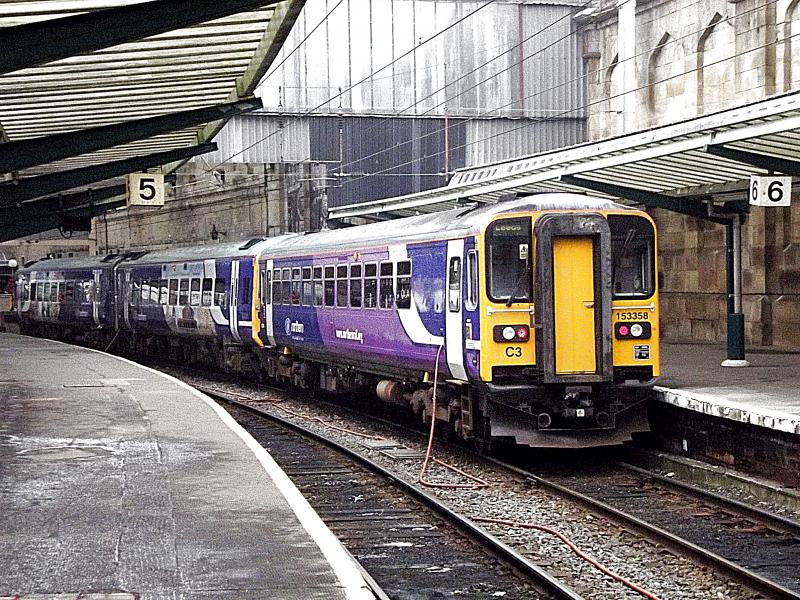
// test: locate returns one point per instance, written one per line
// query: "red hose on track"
(575, 549)
(478, 482)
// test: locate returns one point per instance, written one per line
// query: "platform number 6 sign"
(770, 191)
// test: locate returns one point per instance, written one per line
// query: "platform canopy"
(93, 89)
(692, 167)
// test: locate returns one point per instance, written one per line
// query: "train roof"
(249, 247)
(59, 264)
(454, 223)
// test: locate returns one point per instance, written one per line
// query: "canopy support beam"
(685, 206)
(763, 161)
(14, 193)
(46, 41)
(72, 212)
(38, 151)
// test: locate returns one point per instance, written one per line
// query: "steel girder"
(16, 192)
(763, 161)
(37, 151)
(70, 211)
(46, 41)
(686, 206)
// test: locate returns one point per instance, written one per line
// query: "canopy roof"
(677, 167)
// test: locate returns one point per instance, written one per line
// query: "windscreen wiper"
(516, 286)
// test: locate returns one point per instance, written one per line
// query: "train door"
(573, 257)
(454, 322)
(97, 297)
(266, 302)
(233, 305)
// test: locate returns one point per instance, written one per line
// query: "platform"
(122, 482)
(766, 394)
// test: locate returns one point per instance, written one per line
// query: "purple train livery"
(542, 311)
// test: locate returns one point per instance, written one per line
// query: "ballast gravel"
(649, 566)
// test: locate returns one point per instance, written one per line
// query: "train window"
(371, 285)
(173, 292)
(471, 301)
(454, 284)
(32, 294)
(183, 292)
(267, 287)
(286, 289)
(387, 285)
(69, 292)
(164, 293)
(632, 256)
(276, 287)
(355, 286)
(219, 292)
(145, 289)
(317, 286)
(330, 286)
(60, 292)
(341, 285)
(306, 300)
(403, 297)
(53, 292)
(509, 260)
(87, 292)
(194, 297)
(245, 291)
(295, 297)
(155, 286)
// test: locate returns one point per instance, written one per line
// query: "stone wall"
(694, 57)
(237, 202)
(693, 270)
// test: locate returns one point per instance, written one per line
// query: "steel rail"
(467, 527)
(654, 533)
(774, 521)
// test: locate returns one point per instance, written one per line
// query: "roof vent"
(250, 243)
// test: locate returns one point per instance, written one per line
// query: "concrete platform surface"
(767, 393)
(117, 482)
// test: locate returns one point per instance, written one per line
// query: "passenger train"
(542, 312)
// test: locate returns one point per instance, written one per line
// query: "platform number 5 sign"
(770, 191)
(146, 189)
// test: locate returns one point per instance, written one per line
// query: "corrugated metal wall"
(470, 69)
(387, 136)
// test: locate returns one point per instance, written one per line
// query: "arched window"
(791, 47)
(715, 66)
(665, 80)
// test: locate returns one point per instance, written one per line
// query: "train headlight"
(521, 333)
(508, 333)
(633, 331)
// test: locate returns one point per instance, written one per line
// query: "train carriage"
(68, 296)
(543, 312)
(536, 320)
(196, 302)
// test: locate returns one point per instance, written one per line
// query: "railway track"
(758, 548)
(755, 548)
(409, 543)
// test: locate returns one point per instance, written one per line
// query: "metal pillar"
(735, 316)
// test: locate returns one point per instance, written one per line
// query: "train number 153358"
(632, 316)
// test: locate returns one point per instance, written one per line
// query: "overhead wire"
(366, 78)
(537, 120)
